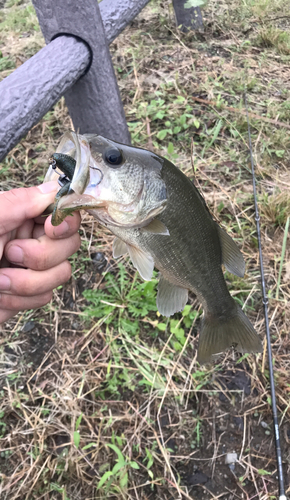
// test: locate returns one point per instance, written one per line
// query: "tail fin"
(218, 335)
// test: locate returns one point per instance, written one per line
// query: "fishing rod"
(282, 495)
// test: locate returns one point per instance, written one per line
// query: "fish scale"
(163, 223)
(190, 256)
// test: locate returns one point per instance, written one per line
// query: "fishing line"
(265, 303)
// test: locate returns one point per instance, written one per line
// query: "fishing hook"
(282, 495)
(101, 176)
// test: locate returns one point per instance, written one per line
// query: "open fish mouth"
(72, 198)
(77, 147)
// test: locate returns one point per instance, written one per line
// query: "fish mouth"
(77, 147)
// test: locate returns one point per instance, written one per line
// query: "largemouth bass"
(159, 217)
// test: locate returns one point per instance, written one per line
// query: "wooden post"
(188, 19)
(31, 90)
(94, 101)
(117, 14)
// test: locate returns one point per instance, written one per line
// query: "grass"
(101, 397)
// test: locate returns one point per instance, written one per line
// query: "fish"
(161, 220)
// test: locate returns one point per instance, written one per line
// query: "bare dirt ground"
(101, 397)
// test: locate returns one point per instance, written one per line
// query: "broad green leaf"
(104, 478)
(161, 326)
(186, 310)
(119, 453)
(159, 115)
(117, 467)
(162, 134)
(134, 465)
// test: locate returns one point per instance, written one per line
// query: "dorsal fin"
(232, 256)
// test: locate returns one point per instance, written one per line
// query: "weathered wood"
(187, 19)
(31, 90)
(94, 101)
(117, 14)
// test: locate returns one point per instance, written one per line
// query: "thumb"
(18, 205)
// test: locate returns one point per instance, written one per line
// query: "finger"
(18, 205)
(3, 240)
(25, 230)
(18, 303)
(69, 226)
(42, 253)
(26, 282)
(5, 315)
(38, 231)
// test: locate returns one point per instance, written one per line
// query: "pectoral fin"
(156, 227)
(170, 298)
(232, 256)
(143, 262)
(119, 248)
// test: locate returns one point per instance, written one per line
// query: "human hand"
(31, 243)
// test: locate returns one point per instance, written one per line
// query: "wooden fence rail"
(56, 70)
(75, 63)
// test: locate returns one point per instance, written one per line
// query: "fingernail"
(61, 229)
(15, 254)
(5, 283)
(48, 187)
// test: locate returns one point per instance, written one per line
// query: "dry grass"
(81, 393)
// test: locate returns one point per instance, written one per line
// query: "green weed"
(123, 302)
(6, 62)
(169, 117)
(276, 207)
(274, 37)
(117, 478)
(19, 19)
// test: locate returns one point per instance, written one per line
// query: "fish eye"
(113, 157)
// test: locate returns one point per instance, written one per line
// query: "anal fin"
(170, 298)
(232, 256)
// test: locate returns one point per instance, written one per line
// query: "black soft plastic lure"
(65, 164)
